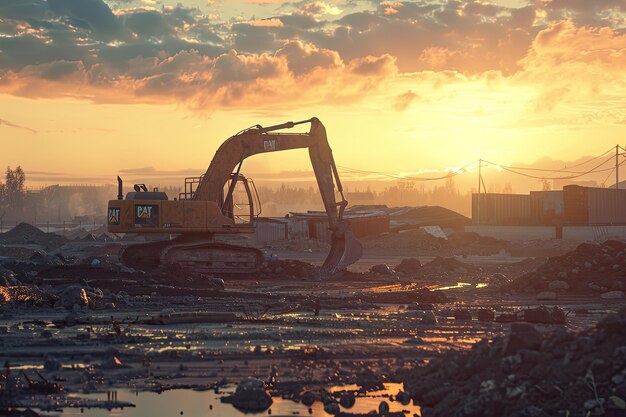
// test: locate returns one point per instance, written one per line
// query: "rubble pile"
(25, 233)
(590, 267)
(529, 373)
(421, 242)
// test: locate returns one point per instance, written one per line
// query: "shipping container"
(575, 205)
(607, 206)
(546, 207)
(501, 209)
(594, 206)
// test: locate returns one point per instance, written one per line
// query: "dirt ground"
(361, 330)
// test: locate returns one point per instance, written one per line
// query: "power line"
(594, 169)
(508, 168)
(451, 173)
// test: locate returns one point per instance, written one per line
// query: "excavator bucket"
(345, 250)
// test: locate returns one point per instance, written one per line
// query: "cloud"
(574, 63)
(124, 54)
(4, 122)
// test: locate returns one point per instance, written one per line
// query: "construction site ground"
(179, 349)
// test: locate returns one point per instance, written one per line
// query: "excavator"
(223, 201)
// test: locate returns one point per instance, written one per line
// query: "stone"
(461, 314)
(382, 269)
(74, 295)
(429, 318)
(486, 314)
(307, 398)
(347, 399)
(251, 394)
(332, 408)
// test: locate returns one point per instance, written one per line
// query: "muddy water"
(207, 404)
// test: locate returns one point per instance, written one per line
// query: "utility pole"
(617, 167)
(480, 167)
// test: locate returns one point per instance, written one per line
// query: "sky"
(90, 89)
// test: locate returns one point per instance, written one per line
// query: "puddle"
(461, 285)
(207, 403)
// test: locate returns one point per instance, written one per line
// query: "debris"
(251, 394)
(599, 267)
(382, 269)
(509, 376)
(25, 233)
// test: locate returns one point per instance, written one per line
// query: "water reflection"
(207, 404)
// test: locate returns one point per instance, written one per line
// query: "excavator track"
(201, 256)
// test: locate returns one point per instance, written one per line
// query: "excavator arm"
(345, 248)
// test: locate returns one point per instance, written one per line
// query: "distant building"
(573, 206)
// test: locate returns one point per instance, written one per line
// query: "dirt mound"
(449, 264)
(528, 374)
(25, 233)
(418, 241)
(594, 267)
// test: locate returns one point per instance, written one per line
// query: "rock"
(332, 408)
(347, 399)
(558, 285)
(461, 314)
(486, 314)
(538, 315)
(612, 295)
(522, 336)
(429, 318)
(409, 266)
(307, 398)
(547, 296)
(251, 394)
(382, 269)
(403, 398)
(74, 295)
(218, 283)
(383, 408)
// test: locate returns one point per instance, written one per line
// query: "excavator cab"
(239, 200)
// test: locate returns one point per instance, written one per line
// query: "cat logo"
(269, 145)
(114, 216)
(144, 212)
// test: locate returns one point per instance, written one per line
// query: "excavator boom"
(345, 248)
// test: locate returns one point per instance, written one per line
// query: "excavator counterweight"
(207, 207)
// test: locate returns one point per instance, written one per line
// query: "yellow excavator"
(223, 201)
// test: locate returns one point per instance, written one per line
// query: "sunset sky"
(91, 88)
